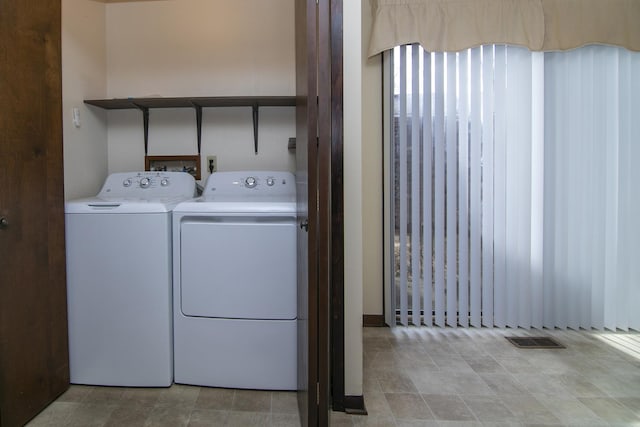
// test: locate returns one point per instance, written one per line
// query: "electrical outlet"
(212, 164)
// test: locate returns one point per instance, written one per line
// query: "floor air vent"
(534, 342)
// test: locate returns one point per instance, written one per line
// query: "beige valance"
(453, 25)
(574, 23)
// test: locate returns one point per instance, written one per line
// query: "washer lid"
(99, 205)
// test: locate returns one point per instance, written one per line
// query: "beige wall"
(362, 186)
(176, 48)
(353, 217)
(371, 171)
(202, 48)
(83, 76)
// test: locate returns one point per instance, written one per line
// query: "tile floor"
(475, 377)
(412, 377)
(179, 405)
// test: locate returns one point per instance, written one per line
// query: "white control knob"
(270, 182)
(250, 182)
(145, 182)
(164, 182)
(127, 182)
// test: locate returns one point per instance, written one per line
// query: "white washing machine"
(119, 279)
(235, 283)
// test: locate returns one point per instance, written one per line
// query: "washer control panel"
(148, 185)
(250, 184)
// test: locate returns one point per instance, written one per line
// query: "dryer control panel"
(148, 185)
(250, 184)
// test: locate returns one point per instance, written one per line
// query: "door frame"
(337, 211)
(306, 36)
(323, 389)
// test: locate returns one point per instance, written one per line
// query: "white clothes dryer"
(119, 279)
(234, 279)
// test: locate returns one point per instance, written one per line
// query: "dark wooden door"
(313, 172)
(306, 190)
(34, 367)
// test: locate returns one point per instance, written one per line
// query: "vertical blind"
(513, 187)
(592, 193)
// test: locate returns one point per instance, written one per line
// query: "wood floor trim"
(355, 405)
(373, 320)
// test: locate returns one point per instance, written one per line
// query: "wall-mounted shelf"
(197, 103)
